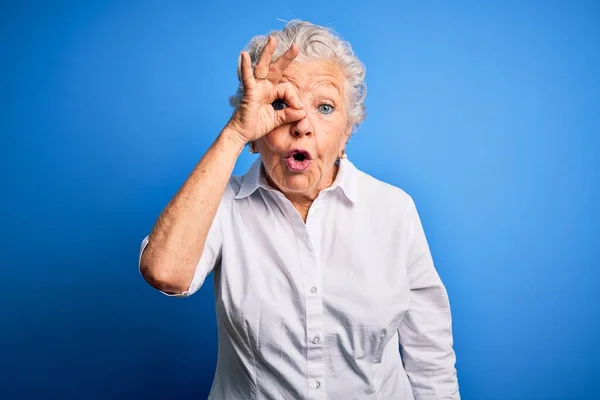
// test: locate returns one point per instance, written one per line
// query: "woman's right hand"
(258, 112)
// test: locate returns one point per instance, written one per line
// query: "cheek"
(274, 139)
(332, 143)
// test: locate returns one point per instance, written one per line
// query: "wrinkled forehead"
(316, 74)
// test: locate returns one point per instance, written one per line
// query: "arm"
(185, 242)
(426, 332)
(170, 255)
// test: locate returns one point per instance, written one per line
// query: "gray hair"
(316, 42)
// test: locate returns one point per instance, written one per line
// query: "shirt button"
(316, 339)
(313, 289)
(317, 384)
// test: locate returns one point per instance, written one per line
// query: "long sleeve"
(426, 332)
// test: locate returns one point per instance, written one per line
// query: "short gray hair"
(316, 42)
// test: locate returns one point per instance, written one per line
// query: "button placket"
(308, 243)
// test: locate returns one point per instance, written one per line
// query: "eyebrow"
(326, 83)
(325, 80)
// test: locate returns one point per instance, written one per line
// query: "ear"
(348, 132)
(346, 136)
(252, 147)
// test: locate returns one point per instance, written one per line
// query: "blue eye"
(279, 105)
(326, 108)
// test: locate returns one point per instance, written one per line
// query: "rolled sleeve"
(426, 332)
(212, 248)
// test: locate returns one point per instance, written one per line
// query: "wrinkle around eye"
(329, 106)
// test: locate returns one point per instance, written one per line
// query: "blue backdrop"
(487, 113)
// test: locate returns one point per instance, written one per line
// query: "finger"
(246, 68)
(288, 115)
(288, 93)
(261, 70)
(282, 63)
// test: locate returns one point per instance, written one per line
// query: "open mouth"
(299, 155)
(298, 160)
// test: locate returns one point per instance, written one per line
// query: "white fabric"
(318, 310)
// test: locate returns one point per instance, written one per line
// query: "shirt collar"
(346, 180)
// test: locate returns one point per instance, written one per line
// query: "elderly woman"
(325, 286)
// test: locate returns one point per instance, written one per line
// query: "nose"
(303, 128)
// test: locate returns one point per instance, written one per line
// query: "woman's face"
(299, 157)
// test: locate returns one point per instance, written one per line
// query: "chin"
(297, 183)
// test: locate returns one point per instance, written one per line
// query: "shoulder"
(379, 194)
(388, 209)
(242, 186)
(235, 183)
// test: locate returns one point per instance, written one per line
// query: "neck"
(303, 200)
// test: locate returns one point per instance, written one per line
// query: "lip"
(295, 165)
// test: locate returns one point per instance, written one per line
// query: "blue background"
(487, 113)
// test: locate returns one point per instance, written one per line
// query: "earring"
(252, 148)
(343, 154)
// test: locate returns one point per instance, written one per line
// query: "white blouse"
(345, 306)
